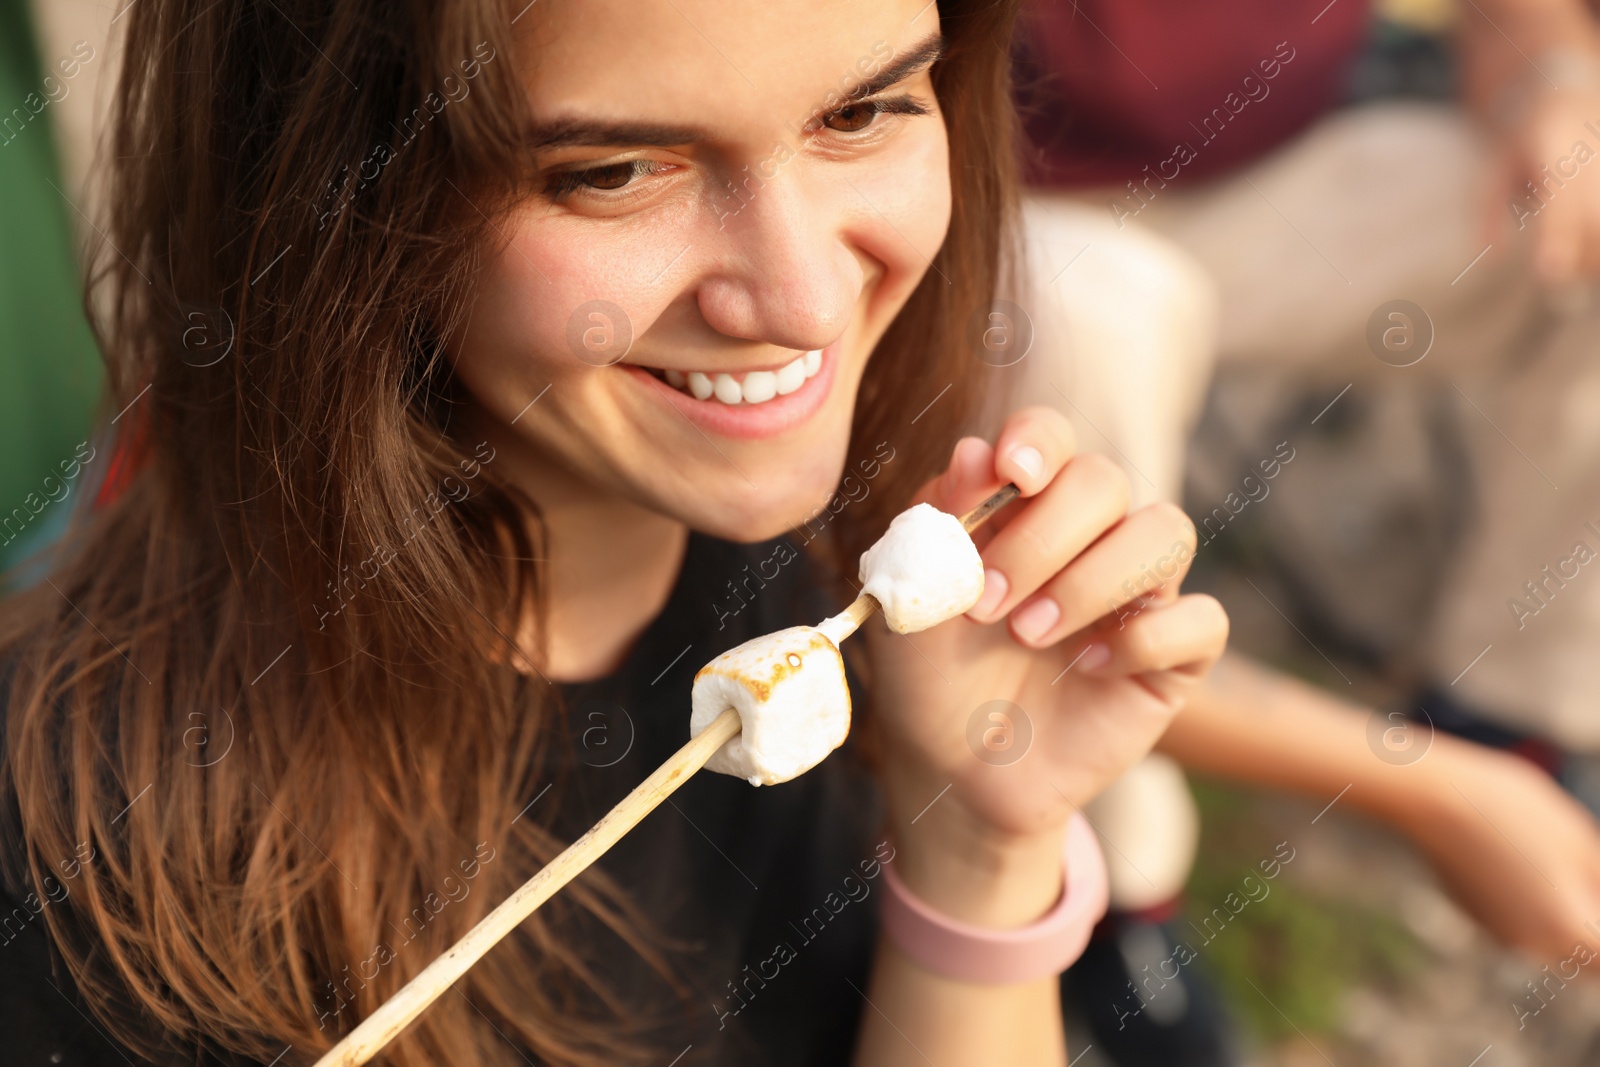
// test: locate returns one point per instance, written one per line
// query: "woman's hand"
(1082, 635)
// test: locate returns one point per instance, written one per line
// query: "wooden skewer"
(980, 514)
(400, 1010)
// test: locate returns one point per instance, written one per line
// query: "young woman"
(480, 370)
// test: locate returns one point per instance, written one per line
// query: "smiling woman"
(750, 358)
(630, 159)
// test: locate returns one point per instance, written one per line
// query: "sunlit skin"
(671, 99)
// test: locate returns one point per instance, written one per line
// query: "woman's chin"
(749, 515)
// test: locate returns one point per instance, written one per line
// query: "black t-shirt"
(769, 894)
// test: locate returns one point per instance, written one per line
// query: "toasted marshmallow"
(794, 706)
(923, 570)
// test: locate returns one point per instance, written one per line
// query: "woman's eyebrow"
(922, 56)
(574, 132)
(564, 133)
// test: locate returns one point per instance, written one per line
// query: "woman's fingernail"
(1094, 655)
(995, 588)
(1029, 459)
(1034, 619)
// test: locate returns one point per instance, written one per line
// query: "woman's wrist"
(989, 955)
(958, 865)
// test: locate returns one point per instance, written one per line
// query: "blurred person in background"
(1200, 193)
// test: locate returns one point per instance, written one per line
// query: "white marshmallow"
(923, 570)
(794, 706)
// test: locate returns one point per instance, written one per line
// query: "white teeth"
(760, 386)
(792, 376)
(756, 387)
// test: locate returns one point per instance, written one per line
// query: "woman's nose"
(785, 274)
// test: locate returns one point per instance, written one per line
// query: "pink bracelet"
(992, 956)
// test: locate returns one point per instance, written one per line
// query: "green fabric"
(50, 373)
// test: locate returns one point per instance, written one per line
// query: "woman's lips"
(747, 421)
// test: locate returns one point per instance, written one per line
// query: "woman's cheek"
(510, 341)
(576, 293)
(908, 191)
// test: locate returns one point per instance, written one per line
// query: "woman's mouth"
(750, 387)
(751, 404)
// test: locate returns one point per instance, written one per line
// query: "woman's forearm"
(914, 1016)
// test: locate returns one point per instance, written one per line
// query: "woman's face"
(733, 199)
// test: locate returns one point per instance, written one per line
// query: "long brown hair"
(284, 258)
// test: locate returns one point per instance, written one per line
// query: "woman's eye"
(852, 118)
(608, 178)
(859, 114)
(613, 177)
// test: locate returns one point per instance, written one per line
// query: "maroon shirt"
(1185, 88)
